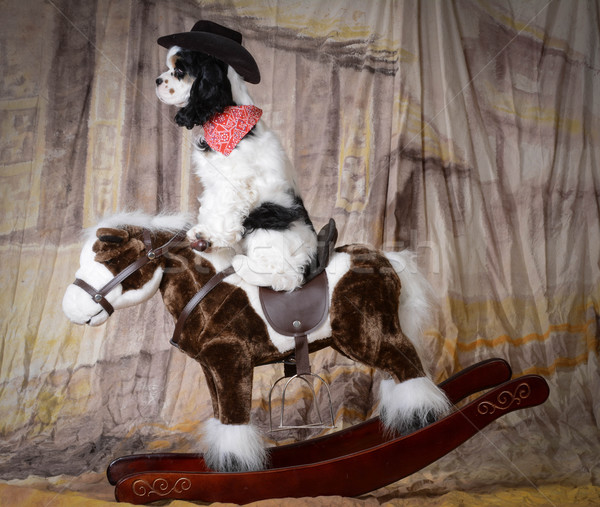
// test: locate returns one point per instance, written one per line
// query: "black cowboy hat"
(218, 41)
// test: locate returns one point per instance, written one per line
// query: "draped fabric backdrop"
(467, 131)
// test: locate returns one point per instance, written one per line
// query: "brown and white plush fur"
(257, 173)
(378, 305)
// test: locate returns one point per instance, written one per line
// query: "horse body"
(229, 335)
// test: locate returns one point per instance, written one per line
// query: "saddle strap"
(195, 301)
(301, 355)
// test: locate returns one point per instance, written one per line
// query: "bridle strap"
(195, 301)
(127, 272)
(161, 250)
(99, 296)
(96, 296)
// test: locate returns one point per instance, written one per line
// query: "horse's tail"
(418, 303)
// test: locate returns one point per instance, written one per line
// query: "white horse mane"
(172, 222)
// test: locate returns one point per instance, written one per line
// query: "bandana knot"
(225, 130)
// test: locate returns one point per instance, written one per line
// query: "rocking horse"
(367, 304)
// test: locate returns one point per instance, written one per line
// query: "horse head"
(121, 264)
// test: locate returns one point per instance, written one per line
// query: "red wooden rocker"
(350, 462)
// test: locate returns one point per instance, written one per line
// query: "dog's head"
(195, 82)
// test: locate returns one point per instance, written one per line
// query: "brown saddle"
(303, 310)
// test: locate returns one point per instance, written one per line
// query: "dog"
(250, 202)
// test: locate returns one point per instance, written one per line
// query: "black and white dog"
(250, 202)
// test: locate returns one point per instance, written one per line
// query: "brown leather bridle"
(99, 296)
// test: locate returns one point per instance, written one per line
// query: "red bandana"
(225, 130)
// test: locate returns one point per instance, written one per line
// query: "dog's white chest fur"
(256, 172)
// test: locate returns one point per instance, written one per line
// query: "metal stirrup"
(303, 372)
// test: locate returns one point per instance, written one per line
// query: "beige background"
(468, 131)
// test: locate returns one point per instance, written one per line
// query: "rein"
(99, 296)
(195, 301)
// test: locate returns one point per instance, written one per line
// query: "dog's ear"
(191, 115)
(209, 95)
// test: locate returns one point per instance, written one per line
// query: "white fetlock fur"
(233, 447)
(410, 405)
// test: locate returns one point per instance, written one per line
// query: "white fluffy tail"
(410, 405)
(233, 447)
(418, 303)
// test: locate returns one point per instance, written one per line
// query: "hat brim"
(220, 47)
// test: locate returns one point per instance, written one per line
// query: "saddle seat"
(300, 311)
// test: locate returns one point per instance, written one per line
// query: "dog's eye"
(178, 73)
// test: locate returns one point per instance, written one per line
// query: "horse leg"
(231, 443)
(211, 389)
(366, 327)
(408, 401)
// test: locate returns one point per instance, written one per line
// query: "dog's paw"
(232, 237)
(286, 281)
(196, 233)
(254, 272)
(225, 238)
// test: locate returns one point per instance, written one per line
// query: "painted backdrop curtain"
(468, 131)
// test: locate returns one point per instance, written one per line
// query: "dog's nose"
(158, 80)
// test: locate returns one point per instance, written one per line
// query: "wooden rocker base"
(349, 462)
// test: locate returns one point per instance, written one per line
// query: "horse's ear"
(109, 235)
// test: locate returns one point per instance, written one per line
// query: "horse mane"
(170, 222)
